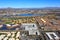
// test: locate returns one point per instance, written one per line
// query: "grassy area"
(18, 20)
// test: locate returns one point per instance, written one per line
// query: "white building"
(52, 35)
(31, 27)
(1, 26)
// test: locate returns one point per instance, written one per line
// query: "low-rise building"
(52, 36)
(31, 27)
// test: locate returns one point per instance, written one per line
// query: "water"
(28, 15)
(5, 28)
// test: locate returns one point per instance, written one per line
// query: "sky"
(29, 3)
